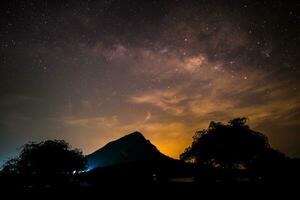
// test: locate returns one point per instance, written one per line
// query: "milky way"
(91, 71)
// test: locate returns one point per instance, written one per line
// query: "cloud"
(167, 100)
(148, 116)
(93, 122)
(193, 88)
(212, 89)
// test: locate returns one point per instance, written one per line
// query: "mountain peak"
(135, 134)
(129, 148)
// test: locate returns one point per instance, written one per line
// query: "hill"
(131, 148)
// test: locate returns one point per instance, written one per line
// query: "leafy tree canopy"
(50, 157)
(226, 145)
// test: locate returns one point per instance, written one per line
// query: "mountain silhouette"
(130, 148)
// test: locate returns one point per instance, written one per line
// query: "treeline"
(229, 153)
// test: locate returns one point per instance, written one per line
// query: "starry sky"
(92, 71)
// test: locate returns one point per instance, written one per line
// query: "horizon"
(89, 72)
(115, 139)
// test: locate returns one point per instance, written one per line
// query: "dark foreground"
(166, 191)
(156, 180)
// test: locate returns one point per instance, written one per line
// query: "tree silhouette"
(47, 162)
(226, 146)
(271, 165)
(10, 167)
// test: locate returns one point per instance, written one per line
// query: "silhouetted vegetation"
(226, 145)
(222, 154)
(49, 163)
(235, 153)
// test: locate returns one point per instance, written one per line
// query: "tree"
(46, 161)
(226, 146)
(10, 167)
(271, 165)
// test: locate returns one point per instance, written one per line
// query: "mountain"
(128, 149)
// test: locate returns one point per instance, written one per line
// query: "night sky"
(92, 71)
